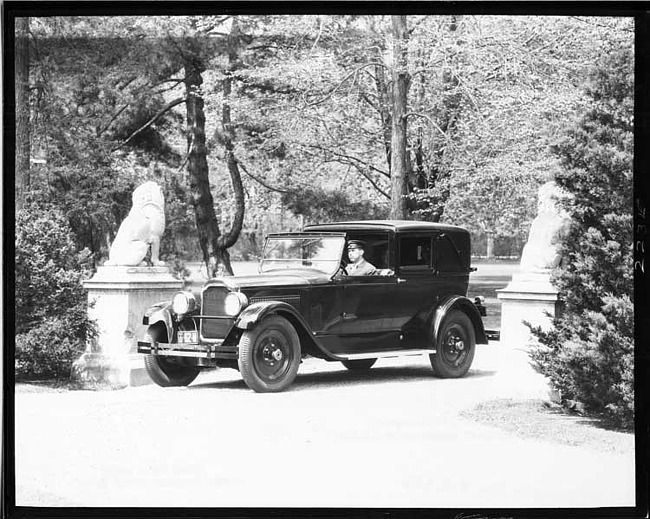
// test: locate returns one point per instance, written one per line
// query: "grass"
(60, 386)
(46, 386)
(539, 420)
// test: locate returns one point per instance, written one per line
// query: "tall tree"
(23, 139)
(401, 80)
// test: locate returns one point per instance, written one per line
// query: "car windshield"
(322, 253)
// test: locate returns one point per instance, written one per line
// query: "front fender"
(467, 306)
(160, 313)
(253, 314)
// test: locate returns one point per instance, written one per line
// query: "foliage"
(51, 304)
(309, 108)
(318, 205)
(589, 359)
(589, 353)
(86, 99)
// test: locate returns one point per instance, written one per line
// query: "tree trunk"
(384, 110)
(230, 238)
(399, 161)
(207, 225)
(23, 138)
(214, 245)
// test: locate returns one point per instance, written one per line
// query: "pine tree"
(588, 355)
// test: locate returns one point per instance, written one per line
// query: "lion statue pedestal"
(530, 296)
(119, 297)
(121, 291)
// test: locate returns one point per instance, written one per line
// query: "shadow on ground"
(327, 379)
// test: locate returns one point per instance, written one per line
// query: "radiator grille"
(216, 328)
(213, 305)
(213, 301)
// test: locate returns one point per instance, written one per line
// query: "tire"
(166, 373)
(269, 355)
(456, 346)
(359, 365)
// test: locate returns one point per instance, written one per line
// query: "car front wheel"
(269, 355)
(456, 346)
(168, 373)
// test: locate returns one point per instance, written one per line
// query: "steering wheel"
(342, 267)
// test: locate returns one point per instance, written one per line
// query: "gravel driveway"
(391, 437)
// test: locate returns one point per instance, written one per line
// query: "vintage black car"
(303, 303)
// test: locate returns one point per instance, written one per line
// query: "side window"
(415, 253)
(376, 249)
(447, 255)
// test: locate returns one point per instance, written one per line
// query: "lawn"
(543, 421)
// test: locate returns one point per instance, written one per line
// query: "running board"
(384, 354)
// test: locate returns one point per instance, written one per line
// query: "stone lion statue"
(541, 251)
(143, 227)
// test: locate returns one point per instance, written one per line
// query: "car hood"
(282, 278)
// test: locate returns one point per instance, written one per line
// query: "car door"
(418, 287)
(368, 301)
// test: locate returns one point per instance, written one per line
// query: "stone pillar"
(118, 297)
(528, 297)
(489, 252)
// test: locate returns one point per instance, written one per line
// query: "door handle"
(401, 280)
(348, 317)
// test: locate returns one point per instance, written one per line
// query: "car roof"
(385, 225)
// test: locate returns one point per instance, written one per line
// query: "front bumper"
(213, 350)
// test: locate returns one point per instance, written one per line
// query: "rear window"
(415, 252)
(451, 252)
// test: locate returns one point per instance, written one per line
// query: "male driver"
(358, 265)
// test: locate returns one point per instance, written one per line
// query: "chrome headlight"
(183, 302)
(235, 303)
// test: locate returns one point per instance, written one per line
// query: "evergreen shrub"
(52, 323)
(588, 354)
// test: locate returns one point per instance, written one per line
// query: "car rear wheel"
(168, 373)
(358, 364)
(456, 346)
(269, 355)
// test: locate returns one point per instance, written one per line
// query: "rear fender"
(254, 314)
(465, 305)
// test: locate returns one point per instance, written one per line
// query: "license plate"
(188, 336)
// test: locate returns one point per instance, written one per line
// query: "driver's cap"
(356, 244)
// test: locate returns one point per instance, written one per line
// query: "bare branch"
(431, 122)
(361, 166)
(160, 113)
(599, 24)
(369, 179)
(260, 181)
(100, 132)
(348, 159)
(320, 31)
(264, 87)
(353, 74)
(175, 81)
